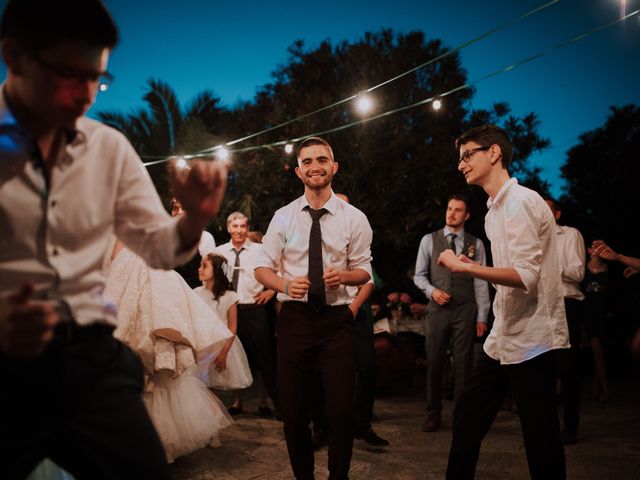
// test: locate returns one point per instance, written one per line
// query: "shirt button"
(55, 252)
(53, 203)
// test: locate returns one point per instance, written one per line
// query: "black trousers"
(569, 365)
(79, 404)
(366, 377)
(308, 340)
(533, 386)
(254, 333)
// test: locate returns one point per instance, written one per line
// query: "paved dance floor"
(254, 448)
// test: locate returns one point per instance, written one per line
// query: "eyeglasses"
(104, 79)
(467, 154)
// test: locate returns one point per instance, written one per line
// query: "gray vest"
(458, 285)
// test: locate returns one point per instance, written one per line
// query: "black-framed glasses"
(104, 79)
(467, 154)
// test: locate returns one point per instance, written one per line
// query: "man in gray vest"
(458, 306)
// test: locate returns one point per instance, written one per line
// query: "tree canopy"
(399, 170)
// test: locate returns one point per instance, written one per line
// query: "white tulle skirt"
(186, 414)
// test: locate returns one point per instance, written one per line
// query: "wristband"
(286, 289)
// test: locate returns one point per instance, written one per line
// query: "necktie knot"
(316, 214)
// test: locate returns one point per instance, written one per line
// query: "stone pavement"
(254, 448)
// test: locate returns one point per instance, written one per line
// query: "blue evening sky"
(232, 47)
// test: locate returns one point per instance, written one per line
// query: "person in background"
(571, 255)
(458, 306)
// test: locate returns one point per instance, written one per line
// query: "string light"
(437, 104)
(288, 148)
(221, 151)
(364, 103)
(181, 163)
(103, 87)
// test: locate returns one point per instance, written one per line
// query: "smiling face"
(238, 229)
(476, 165)
(316, 167)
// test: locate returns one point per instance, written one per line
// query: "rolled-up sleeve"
(272, 244)
(141, 221)
(359, 252)
(523, 242)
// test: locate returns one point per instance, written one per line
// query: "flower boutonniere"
(471, 251)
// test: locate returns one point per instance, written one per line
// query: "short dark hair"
(487, 135)
(307, 142)
(38, 24)
(460, 197)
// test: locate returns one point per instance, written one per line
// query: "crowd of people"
(119, 322)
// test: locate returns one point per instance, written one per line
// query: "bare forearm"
(270, 279)
(355, 277)
(363, 294)
(508, 277)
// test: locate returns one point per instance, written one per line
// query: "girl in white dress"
(177, 337)
(218, 293)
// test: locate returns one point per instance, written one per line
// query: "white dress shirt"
(346, 243)
(423, 262)
(207, 244)
(572, 256)
(248, 286)
(56, 236)
(522, 232)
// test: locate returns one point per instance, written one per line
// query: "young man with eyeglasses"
(529, 313)
(70, 391)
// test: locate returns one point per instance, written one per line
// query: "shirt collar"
(245, 245)
(330, 205)
(448, 232)
(502, 192)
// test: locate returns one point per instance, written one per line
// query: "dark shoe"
(569, 437)
(432, 423)
(319, 440)
(264, 411)
(233, 410)
(371, 437)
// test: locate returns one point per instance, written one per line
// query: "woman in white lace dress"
(177, 336)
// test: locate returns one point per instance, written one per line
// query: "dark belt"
(70, 333)
(249, 306)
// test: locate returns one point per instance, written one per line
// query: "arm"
(220, 361)
(501, 276)
(295, 288)
(364, 292)
(421, 276)
(605, 251)
(26, 325)
(573, 263)
(481, 291)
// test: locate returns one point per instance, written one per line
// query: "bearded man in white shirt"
(70, 391)
(315, 247)
(530, 320)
